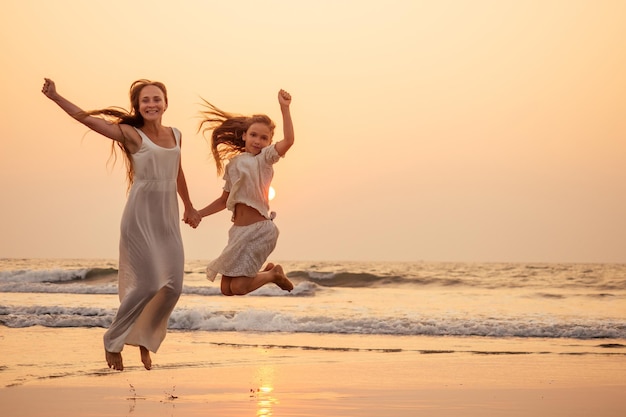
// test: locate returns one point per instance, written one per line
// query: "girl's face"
(257, 137)
(151, 103)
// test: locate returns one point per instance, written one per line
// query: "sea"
(439, 299)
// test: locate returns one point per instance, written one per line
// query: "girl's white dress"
(247, 180)
(151, 260)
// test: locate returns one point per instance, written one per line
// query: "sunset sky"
(425, 130)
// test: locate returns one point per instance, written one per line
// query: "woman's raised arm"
(121, 133)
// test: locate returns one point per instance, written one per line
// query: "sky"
(461, 131)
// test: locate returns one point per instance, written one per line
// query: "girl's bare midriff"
(246, 215)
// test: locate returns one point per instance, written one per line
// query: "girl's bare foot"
(268, 266)
(281, 279)
(145, 357)
(114, 360)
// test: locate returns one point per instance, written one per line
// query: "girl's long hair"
(118, 115)
(227, 132)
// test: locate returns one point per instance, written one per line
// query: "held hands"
(284, 98)
(49, 88)
(192, 217)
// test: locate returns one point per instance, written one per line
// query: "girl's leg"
(225, 285)
(226, 281)
(272, 273)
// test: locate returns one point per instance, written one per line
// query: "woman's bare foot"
(114, 360)
(281, 279)
(268, 266)
(145, 357)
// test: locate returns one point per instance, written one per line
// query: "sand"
(61, 372)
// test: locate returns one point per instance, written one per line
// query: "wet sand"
(61, 372)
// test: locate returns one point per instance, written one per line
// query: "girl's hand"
(49, 89)
(284, 98)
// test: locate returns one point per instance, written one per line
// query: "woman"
(151, 259)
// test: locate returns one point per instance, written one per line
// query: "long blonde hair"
(227, 132)
(133, 118)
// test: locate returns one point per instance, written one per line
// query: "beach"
(352, 339)
(231, 374)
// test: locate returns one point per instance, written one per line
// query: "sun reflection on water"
(264, 394)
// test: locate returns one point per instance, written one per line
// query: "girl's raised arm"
(284, 99)
(105, 128)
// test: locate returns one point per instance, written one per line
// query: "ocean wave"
(43, 275)
(368, 280)
(195, 319)
(98, 273)
(48, 288)
(303, 289)
(104, 281)
(347, 279)
(55, 316)
(602, 277)
(556, 278)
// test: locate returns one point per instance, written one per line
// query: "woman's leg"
(145, 357)
(114, 360)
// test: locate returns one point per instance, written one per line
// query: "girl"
(151, 249)
(246, 142)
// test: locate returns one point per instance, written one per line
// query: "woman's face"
(152, 103)
(257, 137)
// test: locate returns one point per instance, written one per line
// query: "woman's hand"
(192, 217)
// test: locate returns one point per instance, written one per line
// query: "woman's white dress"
(151, 260)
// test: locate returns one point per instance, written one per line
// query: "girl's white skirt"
(247, 249)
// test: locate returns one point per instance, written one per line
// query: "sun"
(271, 193)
